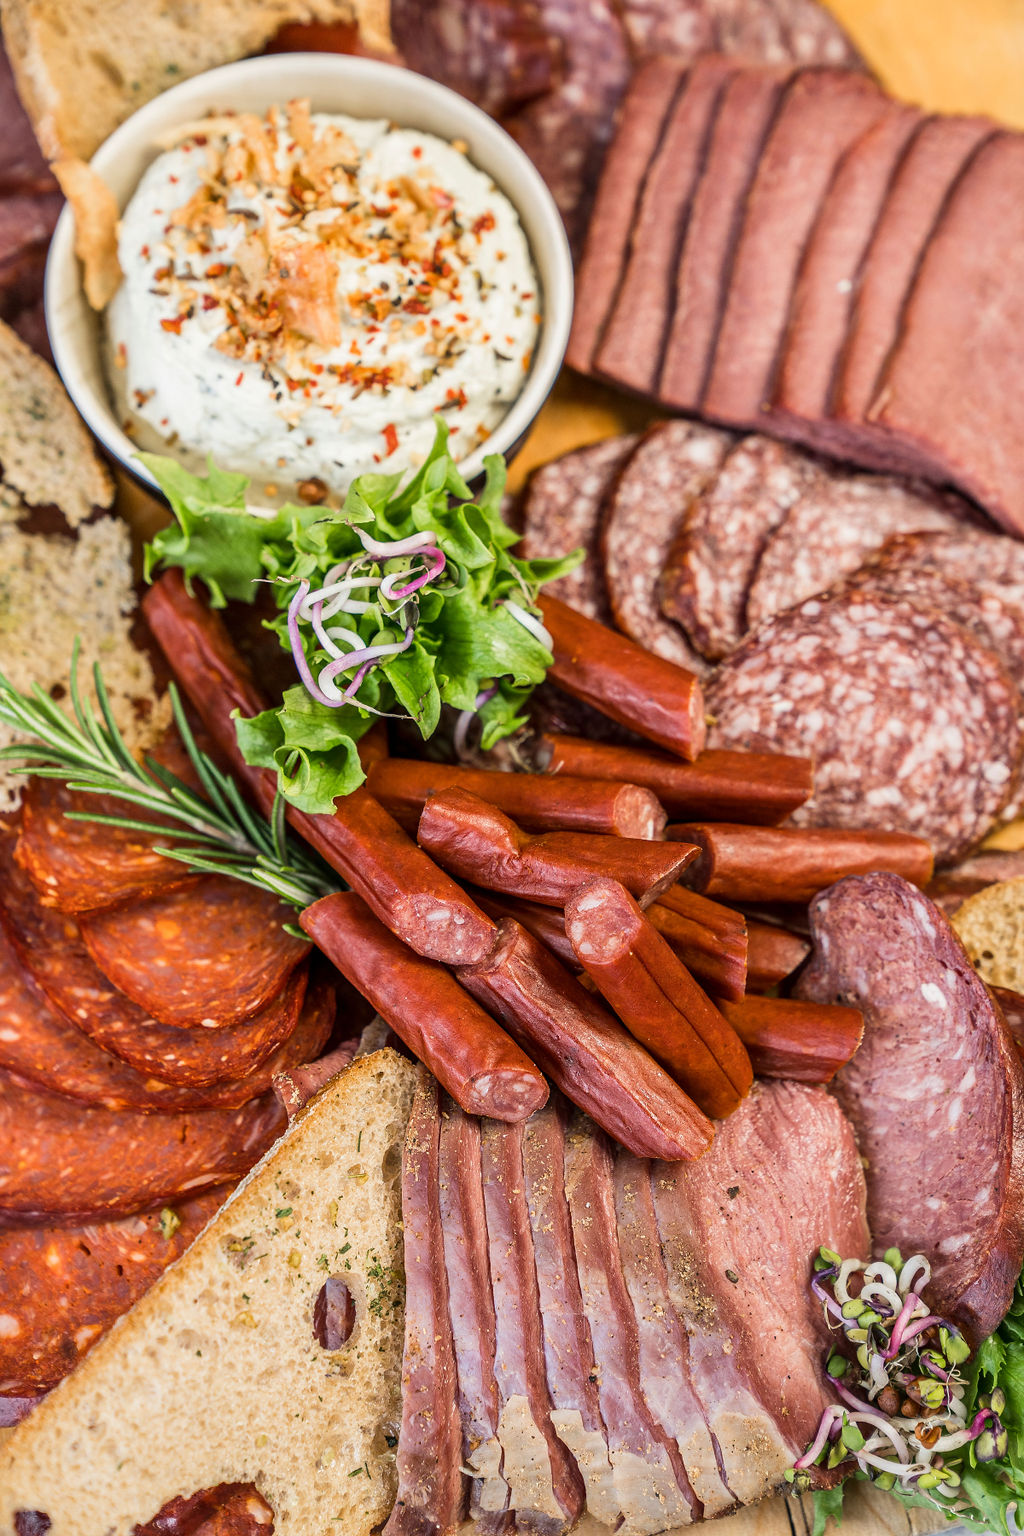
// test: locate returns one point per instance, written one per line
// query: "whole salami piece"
(64, 1286)
(562, 511)
(914, 726)
(672, 465)
(935, 1092)
(207, 961)
(112, 1163)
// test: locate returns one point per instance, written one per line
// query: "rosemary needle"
(213, 831)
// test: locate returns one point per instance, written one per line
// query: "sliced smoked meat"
(827, 282)
(634, 337)
(946, 387)
(498, 53)
(566, 131)
(546, 1489)
(23, 166)
(670, 466)
(834, 526)
(678, 29)
(571, 1369)
(746, 112)
(951, 887)
(775, 30)
(652, 92)
(935, 1092)
(823, 113)
(913, 725)
(928, 170)
(209, 957)
(993, 561)
(663, 1346)
(65, 1286)
(651, 1484)
(739, 1273)
(711, 562)
(114, 1162)
(562, 511)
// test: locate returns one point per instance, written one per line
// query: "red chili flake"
(417, 153)
(173, 180)
(391, 438)
(416, 307)
(238, 381)
(458, 396)
(216, 269)
(209, 302)
(485, 222)
(527, 295)
(463, 319)
(200, 139)
(174, 325)
(144, 253)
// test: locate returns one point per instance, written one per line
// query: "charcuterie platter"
(511, 770)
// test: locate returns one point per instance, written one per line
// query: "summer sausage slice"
(206, 961)
(823, 112)
(935, 1092)
(495, 52)
(914, 726)
(64, 1286)
(73, 1162)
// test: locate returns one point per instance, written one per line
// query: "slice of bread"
(216, 1376)
(990, 925)
(82, 68)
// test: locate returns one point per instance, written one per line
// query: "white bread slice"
(83, 66)
(216, 1376)
(990, 926)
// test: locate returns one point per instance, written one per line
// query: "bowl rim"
(546, 237)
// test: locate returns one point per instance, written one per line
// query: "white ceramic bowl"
(334, 83)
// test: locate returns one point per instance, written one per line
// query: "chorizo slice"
(65, 1286)
(115, 1162)
(206, 961)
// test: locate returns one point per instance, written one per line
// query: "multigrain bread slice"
(216, 1376)
(990, 925)
(81, 68)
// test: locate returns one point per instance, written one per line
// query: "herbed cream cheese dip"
(302, 292)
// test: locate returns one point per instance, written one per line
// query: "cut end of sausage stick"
(585, 1051)
(773, 954)
(789, 864)
(761, 788)
(805, 1042)
(471, 1056)
(654, 995)
(651, 696)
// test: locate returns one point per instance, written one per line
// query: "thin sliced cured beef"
(740, 1277)
(652, 92)
(65, 1286)
(663, 1345)
(571, 1369)
(562, 511)
(431, 1499)
(84, 866)
(546, 1489)
(913, 725)
(823, 113)
(933, 162)
(946, 387)
(833, 527)
(634, 338)
(650, 1480)
(566, 131)
(497, 53)
(711, 562)
(73, 1162)
(745, 115)
(470, 1305)
(207, 958)
(935, 1092)
(822, 301)
(671, 465)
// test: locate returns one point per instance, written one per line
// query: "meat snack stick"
(710, 940)
(653, 697)
(584, 1050)
(741, 863)
(773, 953)
(806, 1042)
(476, 842)
(758, 787)
(545, 923)
(472, 1057)
(367, 847)
(656, 998)
(585, 804)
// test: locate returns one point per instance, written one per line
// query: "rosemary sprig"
(213, 832)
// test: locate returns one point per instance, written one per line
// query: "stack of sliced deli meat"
(792, 250)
